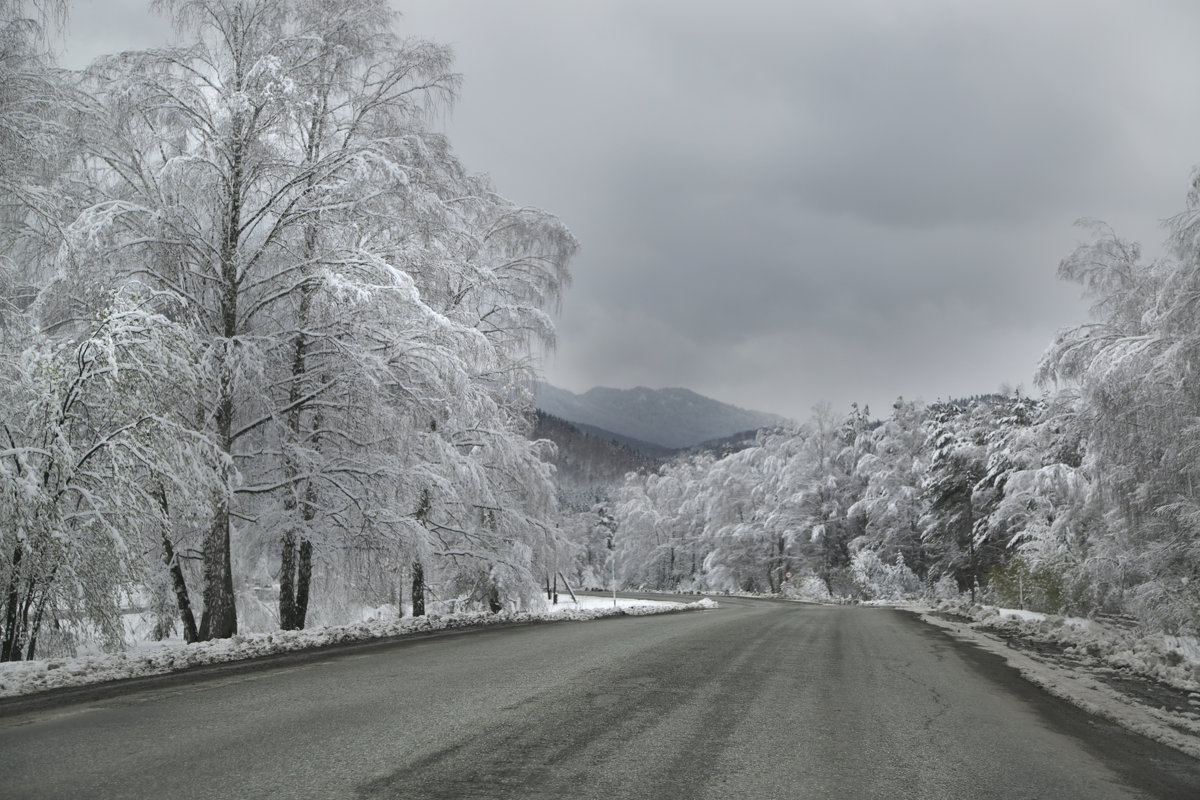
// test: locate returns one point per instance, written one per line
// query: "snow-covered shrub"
(810, 587)
(1169, 606)
(1018, 583)
(944, 588)
(876, 580)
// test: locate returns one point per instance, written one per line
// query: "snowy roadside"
(158, 658)
(1148, 683)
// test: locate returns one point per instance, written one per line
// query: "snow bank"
(157, 658)
(1120, 645)
(1147, 682)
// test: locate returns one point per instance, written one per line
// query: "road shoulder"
(1166, 714)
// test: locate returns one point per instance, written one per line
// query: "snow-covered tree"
(34, 143)
(957, 436)
(96, 467)
(1047, 516)
(369, 309)
(1132, 369)
(660, 518)
(893, 502)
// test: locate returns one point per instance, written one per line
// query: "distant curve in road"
(756, 699)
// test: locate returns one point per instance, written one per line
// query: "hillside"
(671, 418)
(588, 466)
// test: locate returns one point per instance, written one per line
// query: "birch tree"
(92, 448)
(369, 309)
(211, 175)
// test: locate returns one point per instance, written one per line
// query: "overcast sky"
(784, 203)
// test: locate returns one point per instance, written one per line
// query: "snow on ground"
(156, 658)
(1147, 682)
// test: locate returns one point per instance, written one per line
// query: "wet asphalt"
(756, 699)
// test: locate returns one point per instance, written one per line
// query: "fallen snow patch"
(157, 658)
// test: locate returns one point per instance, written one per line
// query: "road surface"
(755, 699)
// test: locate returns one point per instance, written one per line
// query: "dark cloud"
(781, 203)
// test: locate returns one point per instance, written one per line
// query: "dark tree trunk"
(295, 577)
(29, 651)
(287, 582)
(11, 644)
(22, 632)
(26, 630)
(304, 567)
(290, 615)
(219, 620)
(296, 569)
(182, 599)
(418, 590)
(303, 579)
(36, 626)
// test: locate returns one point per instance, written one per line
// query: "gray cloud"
(786, 202)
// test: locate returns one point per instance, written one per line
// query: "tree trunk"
(291, 585)
(27, 632)
(294, 581)
(287, 582)
(12, 601)
(418, 590)
(567, 584)
(304, 578)
(190, 634)
(219, 620)
(38, 615)
(182, 600)
(308, 513)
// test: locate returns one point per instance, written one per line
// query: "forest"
(266, 346)
(1082, 501)
(268, 349)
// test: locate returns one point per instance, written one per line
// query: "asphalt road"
(756, 699)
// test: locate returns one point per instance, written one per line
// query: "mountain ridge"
(674, 418)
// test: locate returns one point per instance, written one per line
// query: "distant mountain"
(671, 418)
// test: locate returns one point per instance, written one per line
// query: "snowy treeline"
(267, 347)
(1085, 500)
